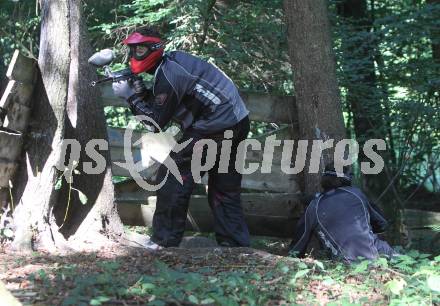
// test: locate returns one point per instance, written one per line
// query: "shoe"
(226, 244)
(150, 245)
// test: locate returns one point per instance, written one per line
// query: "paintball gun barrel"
(103, 59)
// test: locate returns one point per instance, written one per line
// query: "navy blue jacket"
(193, 93)
(345, 223)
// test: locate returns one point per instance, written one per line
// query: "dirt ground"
(24, 276)
(44, 279)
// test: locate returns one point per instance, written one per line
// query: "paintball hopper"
(102, 58)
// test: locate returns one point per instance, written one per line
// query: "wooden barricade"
(17, 100)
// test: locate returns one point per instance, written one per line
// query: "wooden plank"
(270, 108)
(7, 169)
(21, 68)
(272, 215)
(420, 218)
(264, 204)
(425, 240)
(116, 137)
(135, 197)
(18, 117)
(17, 92)
(275, 181)
(17, 100)
(116, 141)
(10, 146)
(117, 154)
(263, 107)
(147, 173)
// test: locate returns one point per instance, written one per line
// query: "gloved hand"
(123, 89)
(139, 87)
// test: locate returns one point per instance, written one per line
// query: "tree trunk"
(65, 108)
(315, 83)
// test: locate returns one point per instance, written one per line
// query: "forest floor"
(216, 276)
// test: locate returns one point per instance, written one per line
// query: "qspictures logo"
(158, 148)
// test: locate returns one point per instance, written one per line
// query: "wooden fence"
(16, 100)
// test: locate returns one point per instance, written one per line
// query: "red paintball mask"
(145, 52)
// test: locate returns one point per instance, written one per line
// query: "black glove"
(140, 89)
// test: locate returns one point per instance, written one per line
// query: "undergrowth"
(410, 279)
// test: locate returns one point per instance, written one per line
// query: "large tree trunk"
(315, 83)
(65, 107)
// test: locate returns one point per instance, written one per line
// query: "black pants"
(223, 194)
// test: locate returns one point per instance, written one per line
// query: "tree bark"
(66, 108)
(315, 83)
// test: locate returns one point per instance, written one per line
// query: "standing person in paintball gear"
(344, 220)
(206, 103)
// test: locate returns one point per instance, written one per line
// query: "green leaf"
(193, 299)
(361, 267)
(328, 281)
(284, 268)
(7, 232)
(208, 301)
(99, 300)
(301, 273)
(82, 197)
(382, 262)
(148, 286)
(319, 264)
(396, 285)
(59, 183)
(434, 282)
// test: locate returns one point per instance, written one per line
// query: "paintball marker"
(102, 59)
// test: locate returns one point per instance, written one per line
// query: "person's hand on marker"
(123, 89)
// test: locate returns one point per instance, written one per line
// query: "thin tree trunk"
(206, 23)
(315, 83)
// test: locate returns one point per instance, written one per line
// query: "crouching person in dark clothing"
(206, 103)
(344, 220)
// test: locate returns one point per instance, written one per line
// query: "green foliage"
(253, 54)
(394, 43)
(408, 279)
(117, 116)
(224, 288)
(19, 30)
